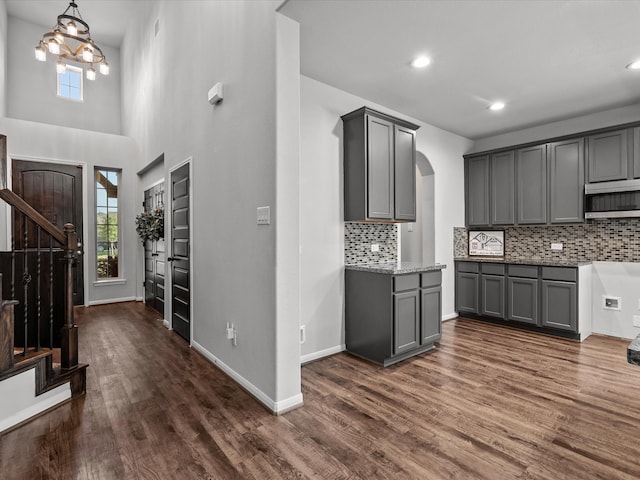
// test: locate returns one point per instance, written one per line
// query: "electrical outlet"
(636, 321)
(375, 247)
(230, 331)
(556, 246)
(263, 215)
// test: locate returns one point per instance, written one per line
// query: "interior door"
(154, 255)
(54, 190)
(180, 253)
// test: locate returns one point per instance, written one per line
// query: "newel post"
(69, 343)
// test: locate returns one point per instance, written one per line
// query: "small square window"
(70, 83)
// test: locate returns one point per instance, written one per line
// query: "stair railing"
(68, 241)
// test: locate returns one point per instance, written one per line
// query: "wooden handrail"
(26, 209)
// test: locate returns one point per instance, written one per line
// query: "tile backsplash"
(607, 240)
(358, 238)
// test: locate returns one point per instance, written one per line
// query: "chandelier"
(70, 40)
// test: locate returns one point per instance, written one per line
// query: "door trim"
(85, 204)
(169, 247)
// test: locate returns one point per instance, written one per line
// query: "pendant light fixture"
(70, 40)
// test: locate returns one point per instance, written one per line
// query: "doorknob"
(170, 259)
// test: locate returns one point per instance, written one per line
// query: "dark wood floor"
(490, 403)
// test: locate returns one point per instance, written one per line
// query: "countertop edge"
(394, 269)
(526, 261)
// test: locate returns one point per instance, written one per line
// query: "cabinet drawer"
(523, 271)
(406, 282)
(469, 267)
(431, 279)
(562, 274)
(493, 268)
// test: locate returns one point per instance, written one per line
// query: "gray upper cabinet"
(608, 158)
(566, 181)
(379, 167)
(405, 173)
(636, 152)
(477, 191)
(531, 181)
(502, 188)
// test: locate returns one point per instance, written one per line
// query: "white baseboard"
(166, 324)
(450, 316)
(275, 407)
(139, 299)
(111, 300)
(309, 357)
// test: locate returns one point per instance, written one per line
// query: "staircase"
(39, 366)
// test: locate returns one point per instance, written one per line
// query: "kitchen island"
(393, 311)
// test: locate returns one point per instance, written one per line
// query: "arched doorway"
(418, 239)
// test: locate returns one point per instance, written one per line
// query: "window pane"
(107, 230)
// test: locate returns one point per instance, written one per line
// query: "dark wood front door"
(154, 255)
(54, 190)
(180, 253)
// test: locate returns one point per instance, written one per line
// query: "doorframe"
(169, 247)
(85, 203)
(143, 273)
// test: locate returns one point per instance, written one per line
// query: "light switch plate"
(375, 247)
(264, 215)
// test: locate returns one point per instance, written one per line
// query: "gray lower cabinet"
(522, 300)
(406, 321)
(559, 305)
(492, 295)
(391, 317)
(467, 292)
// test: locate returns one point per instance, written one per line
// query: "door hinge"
(144, 284)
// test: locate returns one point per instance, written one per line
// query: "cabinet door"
(493, 296)
(379, 169)
(406, 318)
(477, 191)
(522, 300)
(608, 156)
(566, 181)
(467, 292)
(559, 305)
(531, 173)
(431, 312)
(636, 152)
(502, 188)
(405, 174)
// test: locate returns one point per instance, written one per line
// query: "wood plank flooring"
(489, 403)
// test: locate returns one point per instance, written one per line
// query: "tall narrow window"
(107, 231)
(70, 83)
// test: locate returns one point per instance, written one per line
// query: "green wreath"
(150, 225)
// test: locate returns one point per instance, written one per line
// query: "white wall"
(3, 58)
(32, 86)
(617, 116)
(616, 279)
(233, 147)
(321, 209)
(48, 143)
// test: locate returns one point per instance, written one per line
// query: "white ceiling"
(108, 19)
(547, 60)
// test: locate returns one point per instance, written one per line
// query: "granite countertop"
(396, 268)
(526, 261)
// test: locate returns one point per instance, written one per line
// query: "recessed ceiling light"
(420, 62)
(496, 106)
(634, 65)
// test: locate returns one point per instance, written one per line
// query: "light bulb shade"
(87, 54)
(104, 68)
(54, 46)
(41, 53)
(72, 28)
(91, 73)
(61, 67)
